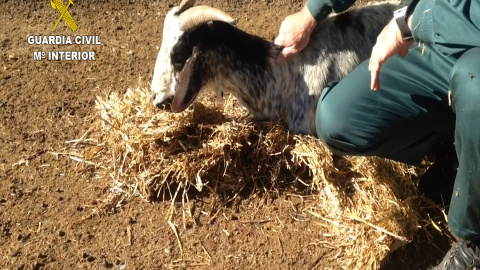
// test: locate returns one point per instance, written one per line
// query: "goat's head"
(177, 59)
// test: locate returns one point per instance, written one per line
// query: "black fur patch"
(225, 40)
(249, 49)
(350, 21)
(180, 53)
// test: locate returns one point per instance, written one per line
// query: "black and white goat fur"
(214, 51)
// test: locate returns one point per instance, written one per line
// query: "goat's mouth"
(162, 100)
(166, 104)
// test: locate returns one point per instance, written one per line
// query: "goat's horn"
(195, 16)
(186, 4)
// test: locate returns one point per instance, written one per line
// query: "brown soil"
(47, 199)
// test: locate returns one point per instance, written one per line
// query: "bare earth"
(47, 199)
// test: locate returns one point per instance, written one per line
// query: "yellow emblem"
(58, 4)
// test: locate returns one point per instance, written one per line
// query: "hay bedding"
(367, 205)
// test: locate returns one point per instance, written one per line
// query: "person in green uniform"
(425, 75)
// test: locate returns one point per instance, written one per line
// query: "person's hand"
(389, 43)
(294, 33)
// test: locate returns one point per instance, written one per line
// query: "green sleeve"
(321, 8)
(451, 26)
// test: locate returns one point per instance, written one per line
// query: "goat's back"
(337, 46)
(349, 36)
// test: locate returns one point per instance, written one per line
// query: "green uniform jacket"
(442, 23)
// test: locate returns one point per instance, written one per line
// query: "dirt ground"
(46, 199)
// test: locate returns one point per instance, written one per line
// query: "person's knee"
(324, 116)
(465, 76)
(335, 127)
(328, 125)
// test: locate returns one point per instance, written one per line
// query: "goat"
(200, 46)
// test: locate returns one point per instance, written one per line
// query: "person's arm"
(320, 9)
(452, 27)
(296, 29)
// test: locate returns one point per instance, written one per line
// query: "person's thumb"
(403, 51)
(279, 41)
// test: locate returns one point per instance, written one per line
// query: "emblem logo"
(58, 5)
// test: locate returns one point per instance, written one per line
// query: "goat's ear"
(189, 82)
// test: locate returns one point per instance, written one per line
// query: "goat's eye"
(177, 67)
(178, 61)
(176, 58)
(181, 52)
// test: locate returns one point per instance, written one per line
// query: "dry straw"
(365, 206)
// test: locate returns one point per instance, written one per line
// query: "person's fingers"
(281, 58)
(290, 51)
(374, 67)
(286, 53)
(378, 57)
(373, 79)
(279, 41)
(403, 51)
(370, 63)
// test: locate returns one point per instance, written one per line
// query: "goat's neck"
(256, 86)
(245, 65)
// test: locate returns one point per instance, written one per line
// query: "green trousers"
(402, 119)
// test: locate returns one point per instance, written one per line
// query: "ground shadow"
(429, 246)
(245, 165)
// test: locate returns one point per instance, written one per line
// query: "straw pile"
(366, 206)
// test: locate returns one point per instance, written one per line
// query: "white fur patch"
(164, 81)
